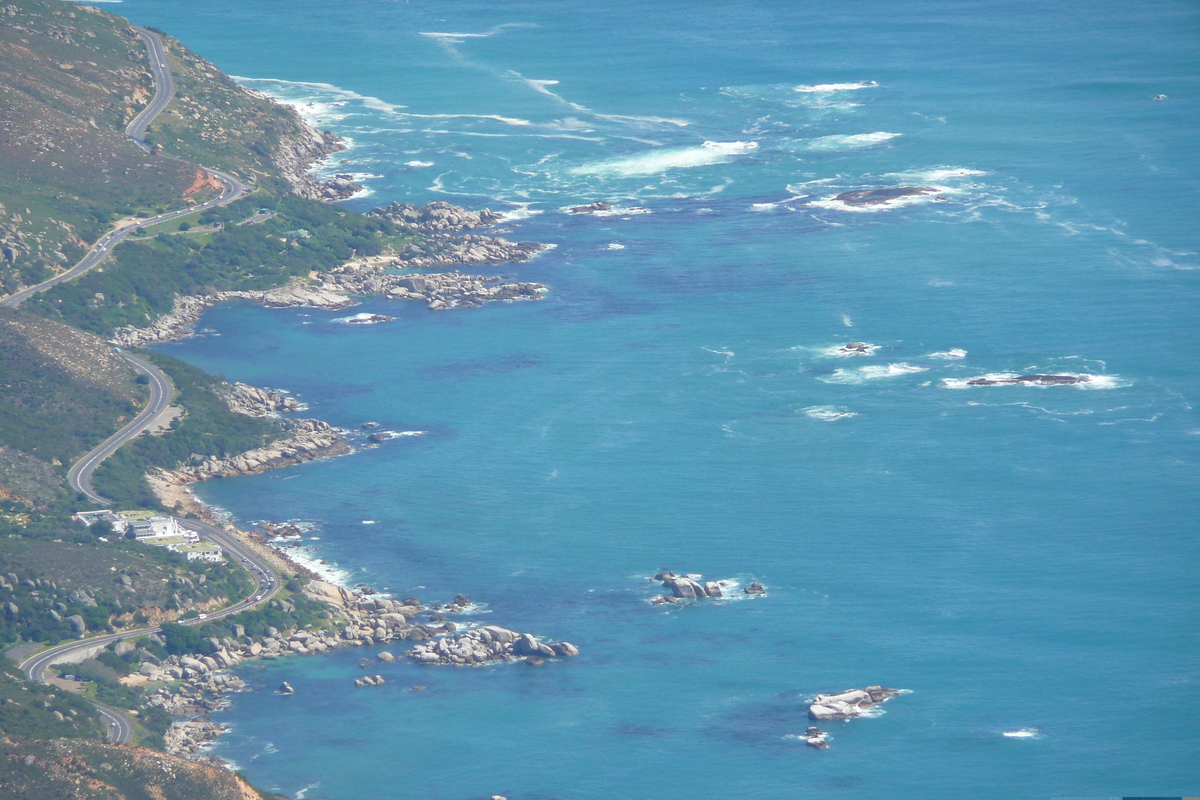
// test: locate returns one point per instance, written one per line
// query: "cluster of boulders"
(440, 290)
(242, 398)
(693, 587)
(307, 439)
(850, 703)
(369, 680)
(444, 250)
(815, 737)
(436, 217)
(486, 644)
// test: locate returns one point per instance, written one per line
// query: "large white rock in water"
(850, 703)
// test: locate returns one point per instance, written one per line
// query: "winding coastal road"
(266, 579)
(161, 393)
(164, 91)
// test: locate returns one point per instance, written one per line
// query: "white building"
(156, 527)
(199, 551)
(89, 518)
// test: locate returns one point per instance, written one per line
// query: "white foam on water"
(849, 323)
(1024, 733)
(871, 373)
(828, 413)
(496, 117)
(656, 161)
(454, 37)
(520, 211)
(368, 522)
(719, 352)
(320, 95)
(764, 206)
(850, 141)
(614, 246)
(330, 573)
(829, 88)
(615, 211)
(948, 355)
(418, 164)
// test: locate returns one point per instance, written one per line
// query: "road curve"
(266, 580)
(161, 393)
(266, 585)
(231, 187)
(164, 86)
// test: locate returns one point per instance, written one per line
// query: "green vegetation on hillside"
(109, 584)
(145, 276)
(28, 709)
(208, 428)
(62, 391)
(73, 78)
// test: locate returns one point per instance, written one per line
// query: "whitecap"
(1024, 733)
(948, 355)
(850, 141)
(656, 161)
(828, 413)
(827, 88)
(940, 174)
(763, 206)
(418, 164)
(614, 246)
(368, 522)
(871, 373)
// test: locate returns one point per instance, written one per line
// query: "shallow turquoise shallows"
(1022, 558)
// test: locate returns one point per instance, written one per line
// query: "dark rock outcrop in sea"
(1032, 380)
(691, 587)
(599, 205)
(875, 197)
(850, 703)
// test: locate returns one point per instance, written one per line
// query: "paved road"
(266, 585)
(164, 90)
(266, 579)
(164, 86)
(161, 393)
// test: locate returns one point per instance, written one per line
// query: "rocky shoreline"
(203, 682)
(438, 244)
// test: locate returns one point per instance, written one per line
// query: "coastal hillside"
(216, 123)
(62, 392)
(90, 770)
(74, 77)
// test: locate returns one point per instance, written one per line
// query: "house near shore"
(89, 518)
(157, 528)
(199, 551)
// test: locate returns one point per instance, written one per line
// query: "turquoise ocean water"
(1017, 557)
